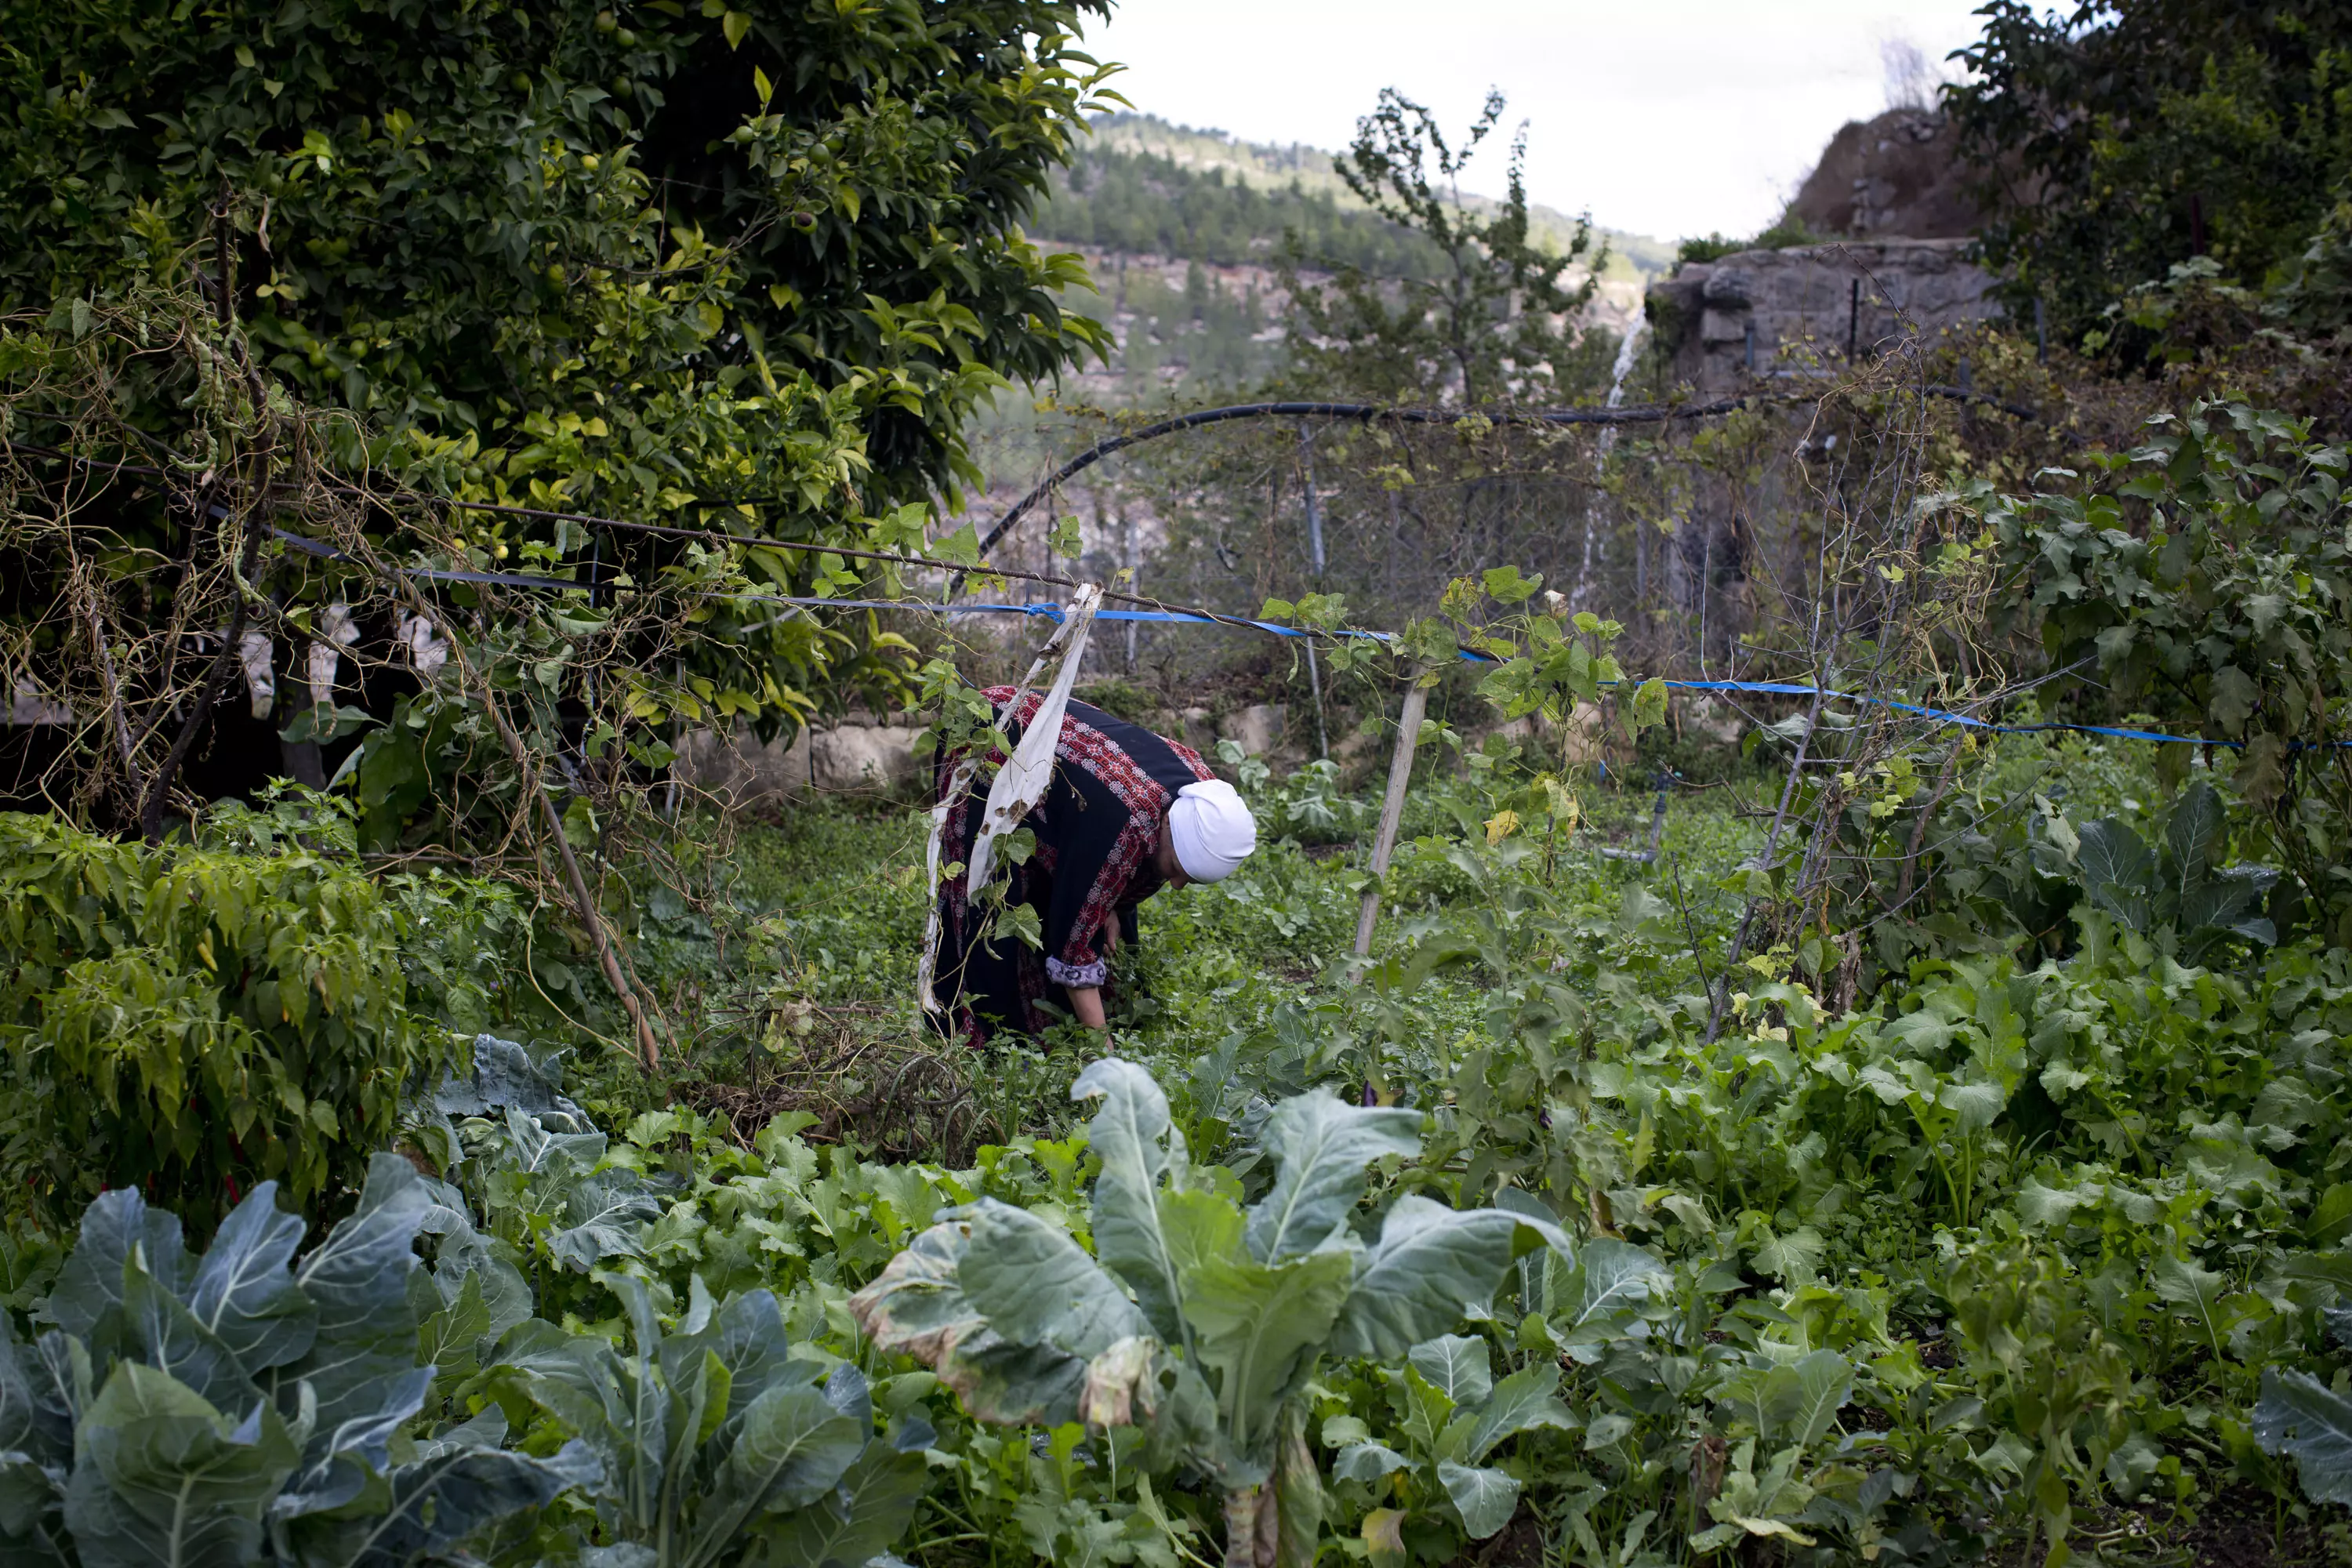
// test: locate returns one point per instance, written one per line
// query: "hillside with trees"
(1187, 233)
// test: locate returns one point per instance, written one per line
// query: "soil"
(1518, 1544)
(2239, 1528)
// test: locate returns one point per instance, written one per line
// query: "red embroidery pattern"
(1128, 870)
(1146, 801)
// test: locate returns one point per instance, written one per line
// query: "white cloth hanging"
(426, 650)
(336, 633)
(254, 651)
(28, 704)
(1025, 777)
(1070, 638)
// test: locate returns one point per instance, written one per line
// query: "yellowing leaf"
(737, 26)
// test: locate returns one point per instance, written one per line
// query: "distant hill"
(1143, 202)
(1181, 230)
(1142, 184)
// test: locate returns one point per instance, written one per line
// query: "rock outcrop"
(1898, 174)
(1723, 322)
(1895, 189)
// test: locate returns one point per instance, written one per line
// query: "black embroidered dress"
(1096, 832)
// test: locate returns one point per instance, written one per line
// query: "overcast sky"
(1662, 117)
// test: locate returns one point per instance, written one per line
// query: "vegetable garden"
(2029, 1249)
(1834, 1046)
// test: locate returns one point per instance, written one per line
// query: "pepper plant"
(1197, 1320)
(190, 1019)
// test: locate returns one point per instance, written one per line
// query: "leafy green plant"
(1232, 1308)
(190, 1021)
(720, 1441)
(2021, 1233)
(2302, 1416)
(248, 1405)
(2182, 888)
(1453, 1415)
(2057, 1388)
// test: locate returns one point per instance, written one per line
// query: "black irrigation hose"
(1641, 414)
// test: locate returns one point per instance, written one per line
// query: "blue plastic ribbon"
(1052, 611)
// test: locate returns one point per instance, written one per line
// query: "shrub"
(190, 1021)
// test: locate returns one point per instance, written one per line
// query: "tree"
(747, 270)
(471, 221)
(2127, 136)
(2207, 575)
(1495, 321)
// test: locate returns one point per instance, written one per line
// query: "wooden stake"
(1416, 703)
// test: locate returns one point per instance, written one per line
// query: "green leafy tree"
(1495, 319)
(2118, 138)
(1197, 1320)
(474, 222)
(742, 270)
(2207, 575)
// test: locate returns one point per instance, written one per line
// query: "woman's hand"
(1086, 1001)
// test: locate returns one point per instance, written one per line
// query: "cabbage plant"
(2302, 1416)
(1197, 1320)
(2180, 885)
(248, 1405)
(719, 1445)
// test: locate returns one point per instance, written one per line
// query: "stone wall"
(873, 756)
(1723, 322)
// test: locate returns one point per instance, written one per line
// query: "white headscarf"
(1213, 830)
